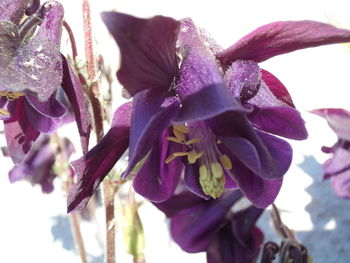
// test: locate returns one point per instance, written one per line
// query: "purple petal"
(341, 184)
(94, 166)
(19, 133)
(39, 121)
(282, 121)
(157, 180)
(13, 10)
(75, 95)
(339, 163)
(192, 181)
(152, 113)
(148, 50)
(338, 120)
(277, 88)
(201, 87)
(282, 37)
(194, 227)
(243, 79)
(261, 192)
(51, 108)
(178, 202)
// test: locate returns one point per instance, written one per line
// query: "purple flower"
(30, 74)
(199, 225)
(203, 112)
(38, 166)
(338, 167)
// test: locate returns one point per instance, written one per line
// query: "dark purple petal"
(13, 10)
(194, 227)
(157, 180)
(339, 163)
(19, 133)
(152, 113)
(232, 246)
(338, 120)
(341, 184)
(243, 79)
(148, 50)
(178, 202)
(282, 121)
(277, 88)
(265, 155)
(51, 108)
(75, 95)
(201, 87)
(39, 121)
(94, 166)
(282, 37)
(192, 181)
(261, 192)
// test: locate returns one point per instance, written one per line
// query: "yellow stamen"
(193, 156)
(11, 95)
(192, 141)
(216, 170)
(173, 139)
(174, 155)
(179, 135)
(226, 162)
(181, 128)
(203, 172)
(4, 112)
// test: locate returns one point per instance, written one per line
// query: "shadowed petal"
(282, 37)
(50, 108)
(194, 227)
(282, 121)
(200, 87)
(152, 113)
(148, 50)
(75, 95)
(93, 167)
(157, 180)
(341, 184)
(338, 120)
(261, 192)
(277, 88)
(39, 121)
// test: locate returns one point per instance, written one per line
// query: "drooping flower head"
(338, 166)
(204, 112)
(199, 225)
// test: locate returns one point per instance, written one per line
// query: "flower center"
(202, 148)
(11, 96)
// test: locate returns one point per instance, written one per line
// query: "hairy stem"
(93, 93)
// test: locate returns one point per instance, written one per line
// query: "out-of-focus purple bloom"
(38, 166)
(30, 74)
(338, 166)
(206, 111)
(199, 225)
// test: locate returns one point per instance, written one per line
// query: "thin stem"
(279, 225)
(72, 41)
(93, 93)
(68, 181)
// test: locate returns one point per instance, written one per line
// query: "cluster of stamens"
(11, 96)
(202, 147)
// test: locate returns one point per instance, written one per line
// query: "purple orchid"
(338, 167)
(201, 111)
(30, 74)
(38, 166)
(200, 225)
